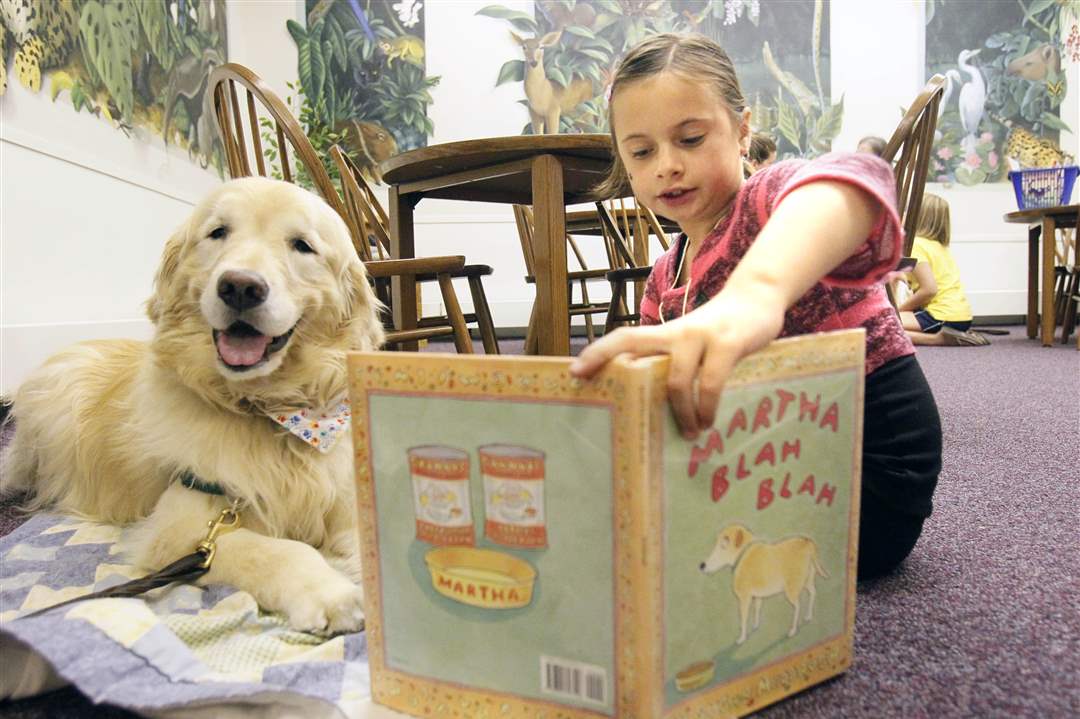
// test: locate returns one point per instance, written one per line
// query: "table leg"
(1049, 236)
(402, 247)
(549, 218)
(1033, 280)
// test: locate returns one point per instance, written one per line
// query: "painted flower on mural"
(408, 11)
(968, 168)
(1070, 12)
(733, 10)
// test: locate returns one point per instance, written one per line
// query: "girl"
(873, 144)
(762, 152)
(799, 247)
(937, 313)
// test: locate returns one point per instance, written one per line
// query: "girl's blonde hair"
(934, 220)
(696, 58)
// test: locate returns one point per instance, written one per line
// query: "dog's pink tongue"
(242, 351)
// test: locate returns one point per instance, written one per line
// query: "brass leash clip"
(228, 519)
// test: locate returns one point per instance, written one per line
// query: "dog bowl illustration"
(695, 676)
(481, 577)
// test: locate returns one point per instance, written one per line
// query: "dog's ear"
(170, 260)
(739, 538)
(361, 307)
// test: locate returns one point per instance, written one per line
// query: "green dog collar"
(190, 481)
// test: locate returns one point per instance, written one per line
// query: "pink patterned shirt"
(852, 295)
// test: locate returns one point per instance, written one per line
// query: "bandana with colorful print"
(320, 429)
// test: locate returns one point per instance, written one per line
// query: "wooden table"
(1043, 222)
(548, 172)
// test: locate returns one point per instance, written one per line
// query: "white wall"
(84, 211)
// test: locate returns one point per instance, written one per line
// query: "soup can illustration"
(440, 479)
(513, 495)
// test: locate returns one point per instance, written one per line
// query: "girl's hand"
(704, 345)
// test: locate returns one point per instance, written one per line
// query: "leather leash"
(186, 569)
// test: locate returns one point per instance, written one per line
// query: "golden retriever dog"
(763, 569)
(258, 299)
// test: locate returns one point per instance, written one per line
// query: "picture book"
(538, 545)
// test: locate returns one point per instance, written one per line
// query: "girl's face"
(681, 147)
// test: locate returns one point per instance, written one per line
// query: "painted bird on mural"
(972, 100)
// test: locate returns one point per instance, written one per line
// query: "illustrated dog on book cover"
(763, 569)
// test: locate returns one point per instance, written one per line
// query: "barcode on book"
(573, 679)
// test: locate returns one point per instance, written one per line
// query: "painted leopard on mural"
(1024, 149)
(43, 33)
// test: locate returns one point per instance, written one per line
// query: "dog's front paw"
(329, 605)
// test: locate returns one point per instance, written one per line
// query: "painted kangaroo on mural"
(547, 99)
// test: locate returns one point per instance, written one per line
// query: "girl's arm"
(927, 288)
(810, 232)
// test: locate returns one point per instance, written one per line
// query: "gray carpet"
(984, 618)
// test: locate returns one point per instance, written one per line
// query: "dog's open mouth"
(241, 347)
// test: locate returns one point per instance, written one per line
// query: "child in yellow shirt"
(937, 313)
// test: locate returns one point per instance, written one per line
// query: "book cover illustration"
(490, 505)
(759, 537)
(534, 544)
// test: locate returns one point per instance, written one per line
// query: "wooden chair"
(296, 157)
(644, 225)
(373, 242)
(621, 261)
(914, 141)
(523, 217)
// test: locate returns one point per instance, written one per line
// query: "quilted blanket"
(178, 651)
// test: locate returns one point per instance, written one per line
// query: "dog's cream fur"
(763, 569)
(104, 428)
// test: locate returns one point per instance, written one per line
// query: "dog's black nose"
(702, 566)
(242, 290)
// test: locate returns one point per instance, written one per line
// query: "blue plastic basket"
(1043, 186)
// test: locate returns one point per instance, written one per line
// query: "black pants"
(901, 463)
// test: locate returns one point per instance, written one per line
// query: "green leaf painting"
(108, 36)
(790, 101)
(362, 79)
(155, 25)
(133, 65)
(511, 71)
(788, 123)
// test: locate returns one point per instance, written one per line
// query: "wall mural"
(363, 80)
(136, 65)
(1006, 79)
(569, 50)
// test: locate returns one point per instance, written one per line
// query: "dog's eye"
(218, 233)
(299, 245)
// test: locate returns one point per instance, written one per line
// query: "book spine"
(646, 416)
